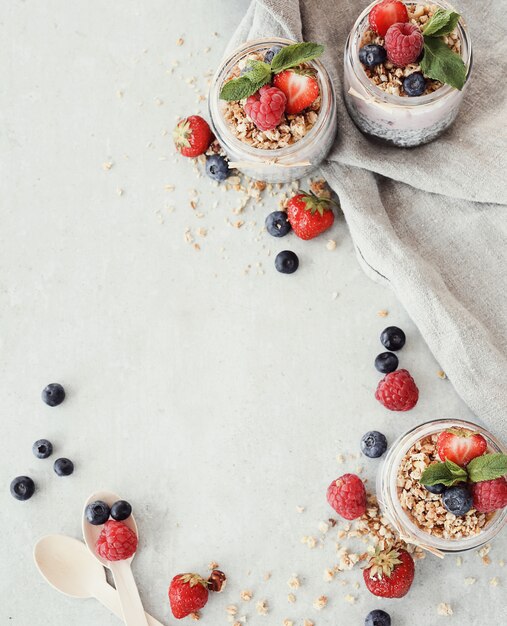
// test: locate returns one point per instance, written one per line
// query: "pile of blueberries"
(278, 225)
(23, 487)
(98, 512)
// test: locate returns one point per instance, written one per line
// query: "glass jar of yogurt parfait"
(417, 514)
(291, 150)
(387, 112)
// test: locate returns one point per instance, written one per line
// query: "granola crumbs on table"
(262, 607)
(320, 603)
(444, 609)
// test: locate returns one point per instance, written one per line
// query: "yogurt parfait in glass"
(272, 106)
(442, 486)
(406, 67)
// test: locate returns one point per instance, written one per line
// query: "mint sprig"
(447, 474)
(439, 62)
(485, 467)
(260, 73)
(442, 23)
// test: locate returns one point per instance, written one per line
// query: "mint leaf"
(295, 54)
(258, 71)
(487, 467)
(447, 473)
(442, 23)
(242, 87)
(441, 63)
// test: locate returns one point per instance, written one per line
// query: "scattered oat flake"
(213, 565)
(107, 165)
(459, 561)
(246, 595)
(494, 582)
(383, 313)
(328, 575)
(294, 582)
(308, 622)
(320, 603)
(196, 616)
(180, 41)
(350, 598)
(470, 580)
(267, 576)
(119, 191)
(231, 609)
(262, 607)
(300, 509)
(291, 598)
(288, 622)
(331, 244)
(340, 459)
(323, 527)
(484, 550)
(501, 563)
(441, 374)
(444, 609)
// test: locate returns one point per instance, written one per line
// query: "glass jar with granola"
(406, 66)
(272, 106)
(442, 486)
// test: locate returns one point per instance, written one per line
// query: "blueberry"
(121, 510)
(457, 500)
(373, 444)
(414, 84)
(377, 618)
(97, 512)
(372, 54)
(393, 338)
(386, 362)
(438, 488)
(53, 394)
(42, 448)
(286, 262)
(63, 467)
(22, 487)
(277, 224)
(268, 57)
(217, 167)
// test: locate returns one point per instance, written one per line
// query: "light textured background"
(214, 400)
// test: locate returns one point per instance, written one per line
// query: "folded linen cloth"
(430, 221)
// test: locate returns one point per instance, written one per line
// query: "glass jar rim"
(402, 101)
(400, 517)
(328, 103)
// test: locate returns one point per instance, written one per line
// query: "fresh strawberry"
(192, 136)
(389, 574)
(300, 87)
(387, 13)
(460, 445)
(347, 496)
(490, 495)
(188, 593)
(309, 215)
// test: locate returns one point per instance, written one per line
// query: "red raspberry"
(266, 107)
(404, 44)
(347, 496)
(490, 495)
(397, 391)
(116, 541)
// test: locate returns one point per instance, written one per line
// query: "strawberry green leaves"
(439, 61)
(447, 474)
(485, 467)
(259, 73)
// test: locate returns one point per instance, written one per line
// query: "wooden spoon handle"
(131, 605)
(108, 597)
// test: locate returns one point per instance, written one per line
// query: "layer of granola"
(387, 76)
(425, 509)
(291, 129)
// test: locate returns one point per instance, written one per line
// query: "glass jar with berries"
(406, 67)
(443, 486)
(272, 106)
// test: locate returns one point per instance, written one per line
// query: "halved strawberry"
(460, 445)
(385, 14)
(300, 87)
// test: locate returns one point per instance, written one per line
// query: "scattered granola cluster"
(425, 509)
(387, 76)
